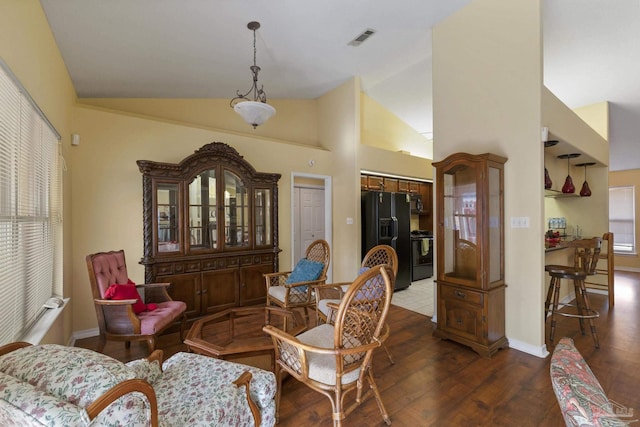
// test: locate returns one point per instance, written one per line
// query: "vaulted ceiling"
(203, 49)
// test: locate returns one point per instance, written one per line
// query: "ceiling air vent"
(362, 37)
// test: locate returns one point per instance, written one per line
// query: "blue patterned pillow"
(305, 271)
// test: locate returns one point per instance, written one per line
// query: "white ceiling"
(202, 49)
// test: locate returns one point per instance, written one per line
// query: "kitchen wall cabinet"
(399, 185)
(470, 248)
(210, 228)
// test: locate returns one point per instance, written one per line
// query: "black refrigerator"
(386, 220)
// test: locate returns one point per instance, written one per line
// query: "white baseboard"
(540, 352)
(87, 333)
(631, 269)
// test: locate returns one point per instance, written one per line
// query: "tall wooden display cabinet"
(210, 228)
(470, 251)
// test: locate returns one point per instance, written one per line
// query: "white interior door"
(311, 217)
(310, 214)
(309, 221)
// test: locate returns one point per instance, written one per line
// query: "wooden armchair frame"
(332, 293)
(336, 359)
(116, 319)
(111, 395)
(299, 294)
(378, 255)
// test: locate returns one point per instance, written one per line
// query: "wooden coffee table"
(237, 332)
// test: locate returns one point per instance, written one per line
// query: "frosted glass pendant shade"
(253, 112)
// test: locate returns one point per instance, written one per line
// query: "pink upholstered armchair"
(122, 315)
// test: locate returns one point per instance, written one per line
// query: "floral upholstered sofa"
(53, 385)
(580, 396)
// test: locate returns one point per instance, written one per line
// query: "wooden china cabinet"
(470, 251)
(210, 228)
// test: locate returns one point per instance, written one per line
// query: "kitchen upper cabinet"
(210, 228)
(399, 185)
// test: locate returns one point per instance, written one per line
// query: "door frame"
(327, 213)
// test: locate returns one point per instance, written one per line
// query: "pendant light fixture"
(254, 111)
(568, 187)
(586, 191)
(547, 179)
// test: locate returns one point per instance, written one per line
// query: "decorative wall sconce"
(586, 191)
(568, 186)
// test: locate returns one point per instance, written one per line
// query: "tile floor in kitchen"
(418, 297)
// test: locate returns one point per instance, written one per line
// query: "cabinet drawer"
(231, 262)
(246, 260)
(266, 259)
(210, 264)
(190, 267)
(163, 269)
(457, 294)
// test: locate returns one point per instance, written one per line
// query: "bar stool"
(587, 252)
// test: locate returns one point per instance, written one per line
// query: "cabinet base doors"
(472, 318)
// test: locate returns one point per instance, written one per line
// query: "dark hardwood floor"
(441, 383)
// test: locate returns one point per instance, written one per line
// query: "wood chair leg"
(547, 302)
(102, 341)
(556, 297)
(376, 393)
(393, 362)
(589, 311)
(151, 343)
(580, 305)
(278, 372)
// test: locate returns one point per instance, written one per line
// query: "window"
(622, 221)
(30, 209)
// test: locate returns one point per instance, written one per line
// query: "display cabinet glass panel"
(262, 204)
(202, 211)
(460, 225)
(167, 217)
(236, 211)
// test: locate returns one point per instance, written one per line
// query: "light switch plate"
(519, 222)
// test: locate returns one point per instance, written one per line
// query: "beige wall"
(383, 129)
(29, 49)
(596, 116)
(567, 126)
(339, 125)
(624, 179)
(295, 120)
(487, 82)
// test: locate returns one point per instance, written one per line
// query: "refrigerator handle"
(394, 237)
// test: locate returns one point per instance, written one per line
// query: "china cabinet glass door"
(202, 211)
(460, 223)
(262, 209)
(167, 217)
(236, 211)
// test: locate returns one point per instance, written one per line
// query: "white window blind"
(622, 221)
(30, 209)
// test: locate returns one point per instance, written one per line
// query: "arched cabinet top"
(210, 155)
